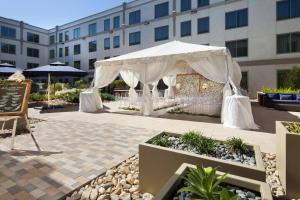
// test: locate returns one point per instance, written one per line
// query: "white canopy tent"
(167, 60)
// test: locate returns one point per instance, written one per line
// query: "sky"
(49, 13)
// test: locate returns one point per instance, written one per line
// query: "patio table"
(90, 101)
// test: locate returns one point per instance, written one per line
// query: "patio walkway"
(76, 147)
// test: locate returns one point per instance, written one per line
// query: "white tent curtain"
(170, 81)
(131, 79)
(155, 93)
(154, 63)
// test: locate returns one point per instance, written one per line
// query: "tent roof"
(9, 70)
(6, 65)
(168, 49)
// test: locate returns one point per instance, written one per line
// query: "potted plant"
(161, 156)
(209, 184)
(287, 152)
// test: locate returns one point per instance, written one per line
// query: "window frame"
(238, 20)
(76, 49)
(106, 25)
(92, 46)
(158, 13)
(187, 23)
(11, 48)
(32, 52)
(198, 23)
(33, 37)
(116, 40)
(234, 44)
(137, 40)
(161, 28)
(92, 29)
(118, 19)
(106, 43)
(134, 17)
(187, 3)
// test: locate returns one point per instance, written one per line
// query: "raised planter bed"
(158, 164)
(253, 186)
(287, 151)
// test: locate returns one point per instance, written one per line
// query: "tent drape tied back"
(152, 64)
(131, 79)
(170, 81)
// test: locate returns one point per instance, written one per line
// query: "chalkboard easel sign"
(14, 97)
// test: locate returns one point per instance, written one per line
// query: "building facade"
(263, 36)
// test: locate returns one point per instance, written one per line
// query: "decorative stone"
(94, 194)
(147, 196)
(125, 196)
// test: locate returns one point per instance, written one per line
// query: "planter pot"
(157, 164)
(287, 159)
(170, 188)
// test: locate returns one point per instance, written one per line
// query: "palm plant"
(203, 183)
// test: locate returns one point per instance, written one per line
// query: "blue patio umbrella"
(8, 69)
(54, 69)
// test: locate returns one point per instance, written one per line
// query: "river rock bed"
(272, 175)
(119, 183)
(220, 152)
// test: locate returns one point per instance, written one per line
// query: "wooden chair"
(17, 108)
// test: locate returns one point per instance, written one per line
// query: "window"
(161, 10)
(52, 39)
(8, 32)
(66, 51)
(238, 18)
(117, 22)
(238, 48)
(67, 63)
(134, 38)
(106, 43)
(107, 57)
(12, 62)
(186, 5)
(60, 37)
(76, 33)
(52, 54)
(92, 46)
(287, 9)
(116, 41)
(203, 25)
(31, 37)
(281, 76)
(244, 81)
(202, 3)
(76, 49)
(161, 33)
(288, 43)
(67, 36)
(186, 28)
(32, 65)
(60, 52)
(107, 25)
(77, 64)
(8, 48)
(93, 29)
(31, 52)
(135, 17)
(92, 63)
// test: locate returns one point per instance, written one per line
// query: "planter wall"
(171, 186)
(157, 164)
(288, 162)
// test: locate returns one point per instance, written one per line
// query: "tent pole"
(49, 89)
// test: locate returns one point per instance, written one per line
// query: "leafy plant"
(108, 97)
(292, 78)
(280, 90)
(38, 97)
(203, 183)
(197, 140)
(236, 145)
(293, 127)
(119, 84)
(81, 84)
(161, 140)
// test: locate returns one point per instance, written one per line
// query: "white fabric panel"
(238, 113)
(170, 81)
(155, 93)
(131, 79)
(147, 106)
(105, 75)
(90, 101)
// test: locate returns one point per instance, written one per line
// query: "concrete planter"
(287, 158)
(157, 164)
(172, 185)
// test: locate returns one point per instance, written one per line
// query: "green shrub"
(203, 183)
(196, 140)
(119, 84)
(81, 84)
(293, 127)
(34, 88)
(108, 97)
(280, 90)
(38, 97)
(236, 145)
(161, 140)
(292, 79)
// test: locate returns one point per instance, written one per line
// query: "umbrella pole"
(49, 89)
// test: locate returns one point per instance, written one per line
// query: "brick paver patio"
(72, 153)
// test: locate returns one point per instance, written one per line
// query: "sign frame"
(25, 100)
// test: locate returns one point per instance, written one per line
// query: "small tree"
(292, 79)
